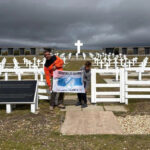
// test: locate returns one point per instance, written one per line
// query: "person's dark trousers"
(61, 98)
(82, 96)
(54, 96)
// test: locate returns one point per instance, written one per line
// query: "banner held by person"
(68, 81)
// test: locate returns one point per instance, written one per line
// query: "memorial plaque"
(17, 91)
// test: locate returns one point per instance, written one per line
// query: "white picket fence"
(123, 84)
(28, 72)
(38, 74)
(21, 72)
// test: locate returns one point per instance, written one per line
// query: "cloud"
(97, 23)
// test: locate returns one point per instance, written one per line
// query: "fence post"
(8, 108)
(117, 74)
(122, 86)
(19, 76)
(126, 85)
(36, 75)
(41, 76)
(6, 76)
(93, 85)
(140, 75)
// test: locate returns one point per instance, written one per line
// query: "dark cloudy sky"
(59, 23)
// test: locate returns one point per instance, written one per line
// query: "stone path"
(94, 119)
(116, 108)
(78, 108)
(90, 122)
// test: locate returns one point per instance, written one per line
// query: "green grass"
(74, 65)
(25, 131)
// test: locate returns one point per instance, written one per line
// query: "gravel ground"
(135, 124)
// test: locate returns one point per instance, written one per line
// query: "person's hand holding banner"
(54, 68)
(50, 88)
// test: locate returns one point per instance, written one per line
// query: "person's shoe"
(84, 106)
(78, 104)
(61, 106)
(51, 108)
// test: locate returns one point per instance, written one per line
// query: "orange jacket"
(48, 67)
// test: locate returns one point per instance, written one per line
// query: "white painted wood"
(138, 89)
(107, 99)
(126, 85)
(93, 87)
(139, 96)
(107, 93)
(33, 108)
(138, 82)
(42, 83)
(107, 85)
(6, 76)
(122, 87)
(8, 108)
(43, 91)
(43, 97)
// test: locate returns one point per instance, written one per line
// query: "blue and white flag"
(68, 81)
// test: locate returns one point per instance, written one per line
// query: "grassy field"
(22, 130)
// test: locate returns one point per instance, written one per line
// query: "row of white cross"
(36, 62)
(104, 55)
(108, 62)
(21, 71)
(3, 63)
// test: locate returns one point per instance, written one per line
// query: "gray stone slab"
(72, 108)
(78, 108)
(93, 108)
(115, 108)
(72, 99)
(90, 122)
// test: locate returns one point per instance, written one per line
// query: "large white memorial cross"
(78, 44)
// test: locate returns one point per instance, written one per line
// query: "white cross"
(78, 44)
(121, 60)
(125, 65)
(115, 63)
(100, 56)
(106, 65)
(97, 60)
(125, 59)
(69, 55)
(38, 62)
(84, 56)
(101, 64)
(24, 60)
(94, 60)
(30, 63)
(129, 63)
(34, 60)
(64, 59)
(105, 59)
(109, 60)
(133, 61)
(120, 55)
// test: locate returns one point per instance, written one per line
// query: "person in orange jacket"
(53, 63)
